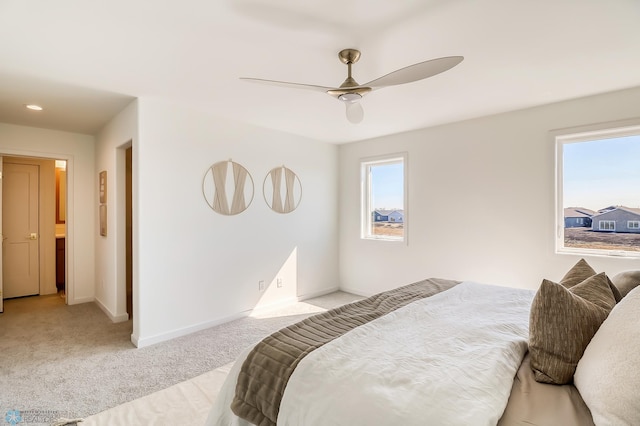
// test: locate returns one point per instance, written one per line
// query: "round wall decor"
(282, 190)
(227, 186)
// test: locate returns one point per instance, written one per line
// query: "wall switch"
(261, 285)
(279, 282)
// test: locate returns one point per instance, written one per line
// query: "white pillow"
(608, 374)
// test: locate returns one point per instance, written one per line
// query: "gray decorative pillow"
(562, 323)
(626, 281)
(580, 272)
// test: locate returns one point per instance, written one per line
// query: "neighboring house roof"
(635, 211)
(607, 209)
(387, 212)
(631, 209)
(578, 212)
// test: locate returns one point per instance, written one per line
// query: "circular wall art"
(227, 186)
(282, 190)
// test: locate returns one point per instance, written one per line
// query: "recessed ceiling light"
(33, 107)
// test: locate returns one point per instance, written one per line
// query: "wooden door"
(20, 260)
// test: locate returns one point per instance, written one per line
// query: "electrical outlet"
(261, 285)
(279, 282)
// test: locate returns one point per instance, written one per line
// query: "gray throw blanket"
(267, 368)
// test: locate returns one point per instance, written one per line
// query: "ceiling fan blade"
(355, 112)
(415, 72)
(288, 84)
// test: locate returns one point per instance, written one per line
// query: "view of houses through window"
(383, 196)
(599, 191)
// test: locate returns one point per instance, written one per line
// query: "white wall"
(78, 150)
(481, 200)
(110, 274)
(196, 268)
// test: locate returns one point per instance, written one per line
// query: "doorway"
(29, 210)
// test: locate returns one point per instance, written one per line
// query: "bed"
(446, 352)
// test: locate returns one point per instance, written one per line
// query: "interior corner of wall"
(114, 317)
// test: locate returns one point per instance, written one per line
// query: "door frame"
(69, 225)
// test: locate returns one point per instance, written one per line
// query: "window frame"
(618, 129)
(607, 223)
(633, 224)
(366, 210)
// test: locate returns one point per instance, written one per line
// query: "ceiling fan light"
(350, 97)
(355, 112)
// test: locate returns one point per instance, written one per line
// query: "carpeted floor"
(72, 361)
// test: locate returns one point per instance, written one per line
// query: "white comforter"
(449, 359)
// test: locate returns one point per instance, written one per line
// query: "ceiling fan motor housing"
(350, 97)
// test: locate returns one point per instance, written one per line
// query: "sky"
(387, 183)
(602, 173)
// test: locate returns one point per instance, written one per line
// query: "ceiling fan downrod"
(349, 90)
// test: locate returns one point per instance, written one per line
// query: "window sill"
(600, 253)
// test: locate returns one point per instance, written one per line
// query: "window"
(606, 225)
(384, 213)
(598, 176)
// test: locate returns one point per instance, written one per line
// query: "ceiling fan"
(350, 92)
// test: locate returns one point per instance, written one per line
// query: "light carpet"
(72, 361)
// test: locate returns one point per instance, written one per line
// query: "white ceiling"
(85, 60)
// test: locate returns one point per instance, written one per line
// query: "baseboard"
(272, 306)
(356, 291)
(113, 317)
(317, 294)
(163, 337)
(79, 300)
